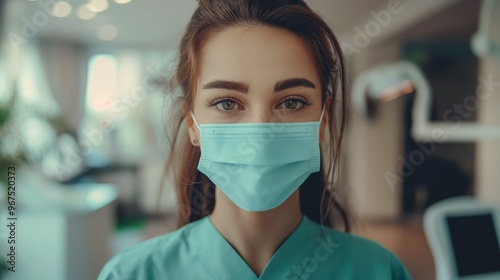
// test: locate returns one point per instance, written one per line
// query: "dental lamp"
(371, 83)
(481, 43)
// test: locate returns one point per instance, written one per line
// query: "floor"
(406, 240)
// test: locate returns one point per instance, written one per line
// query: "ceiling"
(151, 23)
(160, 23)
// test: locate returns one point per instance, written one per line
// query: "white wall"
(488, 152)
(372, 147)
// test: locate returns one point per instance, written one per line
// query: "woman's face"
(256, 75)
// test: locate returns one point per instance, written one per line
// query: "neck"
(256, 235)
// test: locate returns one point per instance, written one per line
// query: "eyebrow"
(243, 87)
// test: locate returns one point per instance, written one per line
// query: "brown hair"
(196, 194)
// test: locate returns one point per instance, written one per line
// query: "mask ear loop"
(194, 119)
(322, 112)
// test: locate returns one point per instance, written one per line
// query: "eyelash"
(217, 100)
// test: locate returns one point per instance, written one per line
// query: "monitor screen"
(475, 244)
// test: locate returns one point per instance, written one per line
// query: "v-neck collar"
(225, 263)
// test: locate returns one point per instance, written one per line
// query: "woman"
(263, 101)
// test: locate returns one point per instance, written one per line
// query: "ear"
(324, 121)
(192, 129)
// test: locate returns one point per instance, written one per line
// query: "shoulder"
(359, 252)
(140, 261)
(356, 243)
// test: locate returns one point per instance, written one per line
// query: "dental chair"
(463, 234)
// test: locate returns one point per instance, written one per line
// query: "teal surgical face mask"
(259, 165)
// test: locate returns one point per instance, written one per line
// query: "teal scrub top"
(198, 251)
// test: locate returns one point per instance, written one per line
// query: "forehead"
(256, 53)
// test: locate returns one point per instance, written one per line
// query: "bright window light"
(101, 82)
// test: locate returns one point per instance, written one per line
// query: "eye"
(226, 105)
(293, 103)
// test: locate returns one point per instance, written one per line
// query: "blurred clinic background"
(83, 120)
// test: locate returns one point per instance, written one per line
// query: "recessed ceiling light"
(122, 1)
(107, 32)
(84, 12)
(61, 9)
(98, 6)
